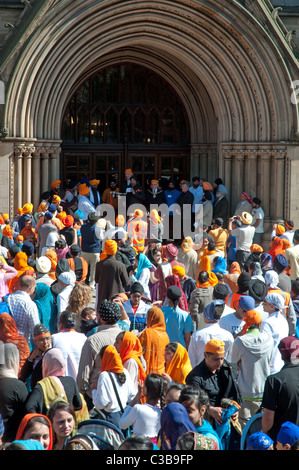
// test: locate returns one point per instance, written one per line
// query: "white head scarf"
(277, 300)
(9, 360)
(271, 279)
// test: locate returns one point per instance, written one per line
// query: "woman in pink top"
(6, 273)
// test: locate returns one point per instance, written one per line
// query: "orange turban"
(27, 208)
(155, 181)
(256, 247)
(83, 189)
(111, 361)
(94, 182)
(5, 217)
(178, 270)
(56, 199)
(61, 215)
(110, 247)
(252, 317)
(19, 211)
(138, 214)
(280, 229)
(20, 238)
(215, 346)
(68, 221)
(55, 183)
(128, 170)
(207, 186)
(120, 221)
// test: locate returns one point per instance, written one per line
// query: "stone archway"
(234, 78)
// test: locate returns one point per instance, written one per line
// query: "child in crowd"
(89, 323)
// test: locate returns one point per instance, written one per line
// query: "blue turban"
(247, 302)
(258, 441)
(288, 433)
(209, 310)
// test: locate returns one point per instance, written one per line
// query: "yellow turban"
(256, 247)
(19, 211)
(61, 215)
(94, 182)
(83, 189)
(178, 270)
(215, 346)
(5, 217)
(27, 208)
(56, 198)
(280, 230)
(55, 183)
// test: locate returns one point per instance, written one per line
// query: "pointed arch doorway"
(125, 116)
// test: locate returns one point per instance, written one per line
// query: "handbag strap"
(116, 392)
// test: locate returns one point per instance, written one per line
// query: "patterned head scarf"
(109, 312)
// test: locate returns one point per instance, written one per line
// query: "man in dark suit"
(221, 205)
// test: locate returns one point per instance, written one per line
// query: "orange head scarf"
(285, 244)
(111, 361)
(24, 423)
(256, 247)
(187, 244)
(131, 349)
(9, 334)
(180, 365)
(205, 263)
(21, 261)
(235, 268)
(154, 216)
(52, 255)
(7, 231)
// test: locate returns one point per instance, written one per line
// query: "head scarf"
(277, 300)
(30, 444)
(131, 349)
(285, 244)
(153, 340)
(7, 231)
(24, 423)
(258, 441)
(155, 218)
(171, 251)
(143, 263)
(43, 299)
(271, 279)
(187, 244)
(266, 262)
(54, 363)
(220, 265)
(21, 265)
(111, 361)
(235, 268)
(276, 247)
(109, 312)
(179, 366)
(9, 334)
(174, 422)
(252, 317)
(202, 442)
(209, 310)
(9, 360)
(173, 280)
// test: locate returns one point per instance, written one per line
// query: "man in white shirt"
(23, 310)
(292, 256)
(70, 342)
(212, 314)
(258, 216)
(244, 234)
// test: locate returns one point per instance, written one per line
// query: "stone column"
(237, 184)
(36, 177)
(44, 170)
(27, 180)
(203, 166)
(194, 160)
(18, 164)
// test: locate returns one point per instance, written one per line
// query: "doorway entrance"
(125, 116)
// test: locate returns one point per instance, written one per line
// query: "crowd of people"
(178, 341)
